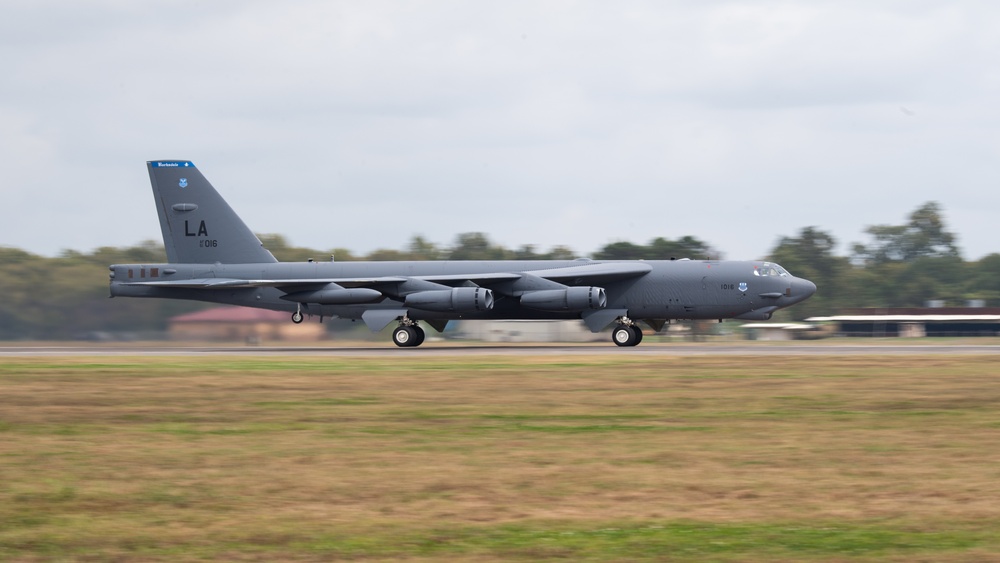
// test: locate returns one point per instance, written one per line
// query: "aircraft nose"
(802, 289)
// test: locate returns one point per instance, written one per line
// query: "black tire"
(419, 338)
(405, 337)
(297, 317)
(623, 336)
(638, 334)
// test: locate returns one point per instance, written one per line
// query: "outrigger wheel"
(297, 317)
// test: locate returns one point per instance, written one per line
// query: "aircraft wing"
(585, 273)
(590, 273)
(230, 283)
(571, 275)
(594, 273)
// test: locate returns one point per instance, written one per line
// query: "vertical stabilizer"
(198, 225)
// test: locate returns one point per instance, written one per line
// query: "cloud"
(576, 123)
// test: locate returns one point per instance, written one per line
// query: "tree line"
(903, 265)
(899, 266)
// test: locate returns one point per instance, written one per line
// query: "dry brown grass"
(500, 458)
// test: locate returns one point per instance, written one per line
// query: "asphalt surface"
(446, 349)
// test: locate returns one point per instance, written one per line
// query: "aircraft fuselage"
(675, 289)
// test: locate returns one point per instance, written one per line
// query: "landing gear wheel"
(419, 339)
(638, 334)
(408, 336)
(297, 317)
(624, 335)
(403, 336)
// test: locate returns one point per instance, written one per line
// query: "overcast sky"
(362, 124)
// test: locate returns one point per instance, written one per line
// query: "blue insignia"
(183, 183)
(743, 286)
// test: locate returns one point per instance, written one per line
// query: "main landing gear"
(627, 333)
(408, 334)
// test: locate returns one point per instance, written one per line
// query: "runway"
(443, 349)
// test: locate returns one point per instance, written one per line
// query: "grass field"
(500, 458)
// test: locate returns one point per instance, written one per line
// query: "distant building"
(779, 331)
(527, 331)
(917, 322)
(230, 324)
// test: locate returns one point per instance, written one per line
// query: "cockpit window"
(768, 269)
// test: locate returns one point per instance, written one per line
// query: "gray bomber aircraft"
(213, 256)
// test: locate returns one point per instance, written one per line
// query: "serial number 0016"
(208, 243)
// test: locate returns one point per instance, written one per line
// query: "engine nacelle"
(569, 299)
(456, 300)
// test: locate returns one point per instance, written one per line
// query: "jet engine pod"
(456, 300)
(569, 299)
